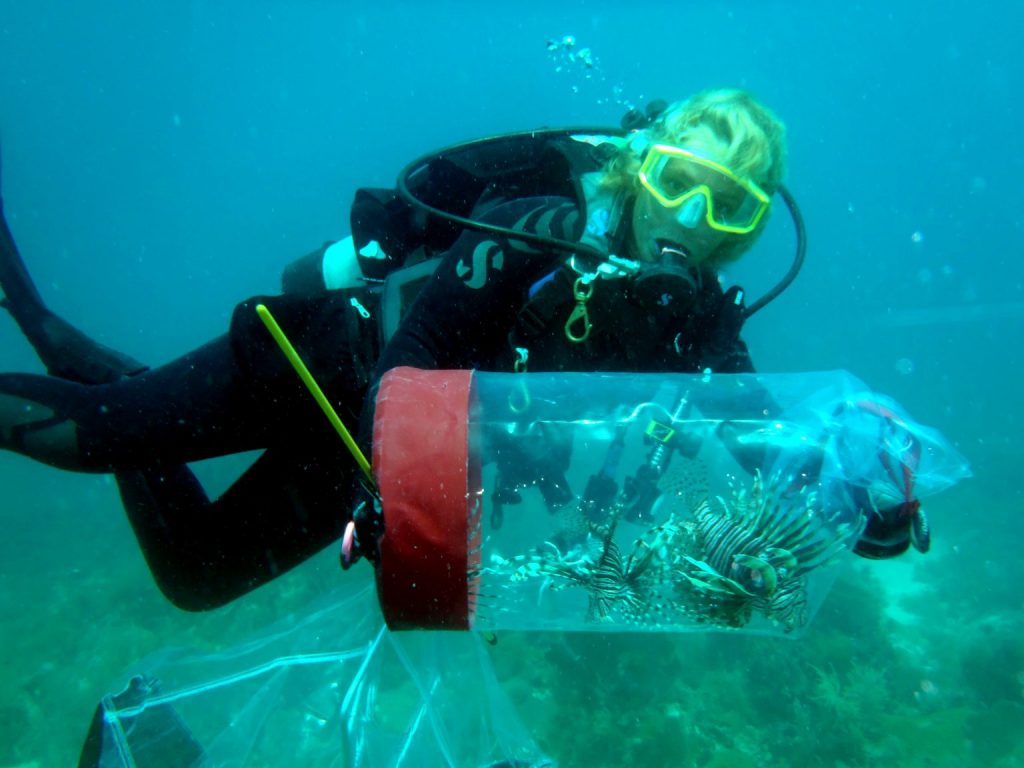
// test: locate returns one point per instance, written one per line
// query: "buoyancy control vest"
(398, 235)
(397, 241)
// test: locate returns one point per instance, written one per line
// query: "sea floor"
(915, 662)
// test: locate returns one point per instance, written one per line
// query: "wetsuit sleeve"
(719, 324)
(737, 359)
(462, 317)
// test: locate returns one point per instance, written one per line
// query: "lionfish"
(715, 561)
(615, 584)
(753, 552)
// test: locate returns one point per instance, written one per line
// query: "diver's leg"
(49, 433)
(63, 349)
(33, 429)
(296, 497)
(234, 394)
(285, 508)
(192, 408)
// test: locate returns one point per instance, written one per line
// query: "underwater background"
(164, 161)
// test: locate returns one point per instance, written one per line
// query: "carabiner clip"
(363, 311)
(582, 290)
(523, 402)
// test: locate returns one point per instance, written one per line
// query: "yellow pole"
(314, 389)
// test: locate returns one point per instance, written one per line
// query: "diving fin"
(64, 350)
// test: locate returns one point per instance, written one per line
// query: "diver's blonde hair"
(747, 137)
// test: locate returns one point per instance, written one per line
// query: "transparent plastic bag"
(333, 688)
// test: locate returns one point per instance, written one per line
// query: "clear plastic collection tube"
(634, 502)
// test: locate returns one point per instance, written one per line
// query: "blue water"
(162, 162)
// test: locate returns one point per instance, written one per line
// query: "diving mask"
(679, 178)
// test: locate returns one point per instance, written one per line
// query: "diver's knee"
(186, 594)
(195, 586)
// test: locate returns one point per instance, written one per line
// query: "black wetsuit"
(463, 319)
(237, 393)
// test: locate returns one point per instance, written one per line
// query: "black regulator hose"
(422, 164)
(798, 258)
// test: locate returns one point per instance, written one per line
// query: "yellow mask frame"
(675, 175)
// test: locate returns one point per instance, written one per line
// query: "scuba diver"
(595, 250)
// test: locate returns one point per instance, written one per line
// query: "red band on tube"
(421, 462)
